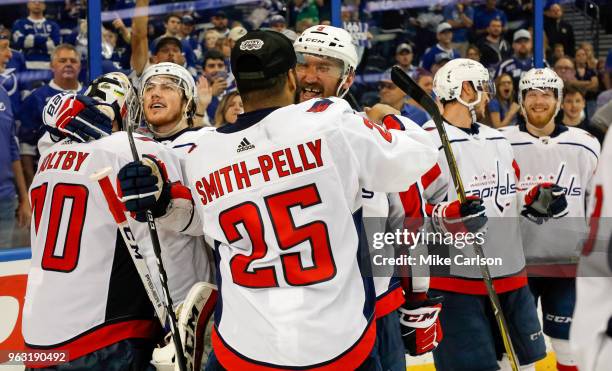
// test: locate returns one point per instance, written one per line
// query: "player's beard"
(541, 119)
(166, 124)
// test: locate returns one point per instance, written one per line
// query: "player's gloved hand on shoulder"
(456, 217)
(76, 117)
(543, 201)
(420, 325)
(145, 186)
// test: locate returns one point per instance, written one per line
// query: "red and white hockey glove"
(456, 217)
(76, 117)
(420, 325)
(543, 201)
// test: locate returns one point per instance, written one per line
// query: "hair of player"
(213, 54)
(571, 90)
(65, 47)
(261, 89)
(223, 106)
(172, 15)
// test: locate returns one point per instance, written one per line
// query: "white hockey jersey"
(280, 192)
(380, 212)
(568, 158)
(591, 331)
(488, 170)
(83, 290)
(185, 258)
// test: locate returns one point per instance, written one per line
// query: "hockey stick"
(410, 87)
(116, 209)
(352, 101)
(171, 316)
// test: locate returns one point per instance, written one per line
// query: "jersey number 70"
(61, 193)
(287, 235)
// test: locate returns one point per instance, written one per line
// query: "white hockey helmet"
(541, 78)
(183, 79)
(331, 42)
(448, 81)
(115, 90)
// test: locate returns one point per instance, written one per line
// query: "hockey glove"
(76, 117)
(456, 217)
(420, 325)
(543, 201)
(145, 186)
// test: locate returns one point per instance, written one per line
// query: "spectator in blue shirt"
(172, 24)
(404, 57)
(493, 48)
(522, 59)
(503, 109)
(461, 17)
(65, 65)
(36, 36)
(444, 35)
(484, 14)
(8, 77)
(190, 37)
(14, 204)
(393, 96)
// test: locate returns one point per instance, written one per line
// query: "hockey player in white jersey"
(168, 95)
(591, 331)
(486, 164)
(84, 294)
(566, 156)
(328, 70)
(280, 192)
(185, 257)
(170, 116)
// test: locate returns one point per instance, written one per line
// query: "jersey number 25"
(287, 235)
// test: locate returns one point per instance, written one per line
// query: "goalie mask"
(540, 79)
(180, 77)
(114, 90)
(330, 42)
(448, 82)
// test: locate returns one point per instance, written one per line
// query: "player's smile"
(310, 91)
(157, 106)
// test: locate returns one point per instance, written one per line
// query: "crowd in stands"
(43, 51)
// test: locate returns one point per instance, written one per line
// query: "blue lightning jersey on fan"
(17, 61)
(37, 39)
(515, 67)
(30, 116)
(9, 81)
(9, 149)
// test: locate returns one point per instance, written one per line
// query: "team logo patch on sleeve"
(320, 105)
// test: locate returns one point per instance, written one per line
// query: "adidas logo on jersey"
(245, 145)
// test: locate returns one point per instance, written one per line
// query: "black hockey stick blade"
(410, 87)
